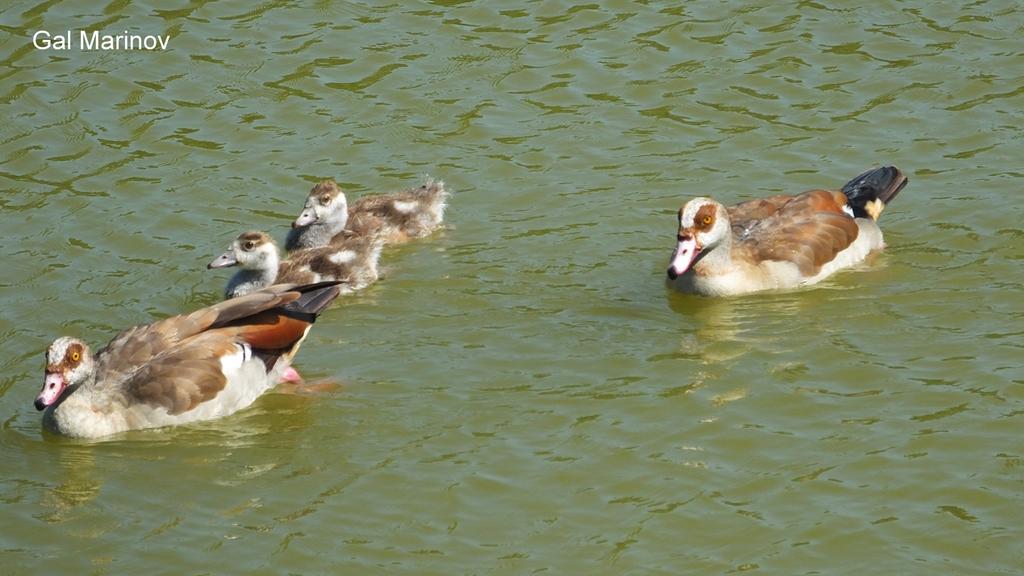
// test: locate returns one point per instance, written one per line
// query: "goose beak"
(53, 387)
(684, 256)
(307, 217)
(223, 261)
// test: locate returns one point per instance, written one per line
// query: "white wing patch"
(342, 257)
(233, 362)
(405, 206)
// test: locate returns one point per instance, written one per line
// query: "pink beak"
(683, 257)
(307, 217)
(223, 261)
(53, 387)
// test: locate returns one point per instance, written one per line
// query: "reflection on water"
(729, 328)
(78, 483)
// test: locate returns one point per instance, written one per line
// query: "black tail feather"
(315, 298)
(868, 193)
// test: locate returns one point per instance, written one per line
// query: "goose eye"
(706, 220)
(249, 245)
(75, 356)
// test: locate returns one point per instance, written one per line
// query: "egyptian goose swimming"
(412, 213)
(199, 366)
(781, 241)
(349, 259)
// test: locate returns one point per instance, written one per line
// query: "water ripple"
(521, 393)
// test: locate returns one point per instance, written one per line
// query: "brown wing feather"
(808, 230)
(176, 363)
(190, 374)
(757, 209)
(270, 330)
(253, 303)
(138, 345)
(182, 378)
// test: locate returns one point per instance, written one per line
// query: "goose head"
(252, 250)
(326, 205)
(703, 226)
(68, 363)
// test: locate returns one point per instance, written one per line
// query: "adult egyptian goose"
(349, 259)
(198, 366)
(781, 241)
(412, 213)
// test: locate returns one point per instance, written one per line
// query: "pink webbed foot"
(291, 375)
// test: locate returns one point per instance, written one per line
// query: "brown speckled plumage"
(351, 259)
(412, 213)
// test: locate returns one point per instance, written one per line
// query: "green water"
(520, 393)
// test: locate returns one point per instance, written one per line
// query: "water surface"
(520, 393)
